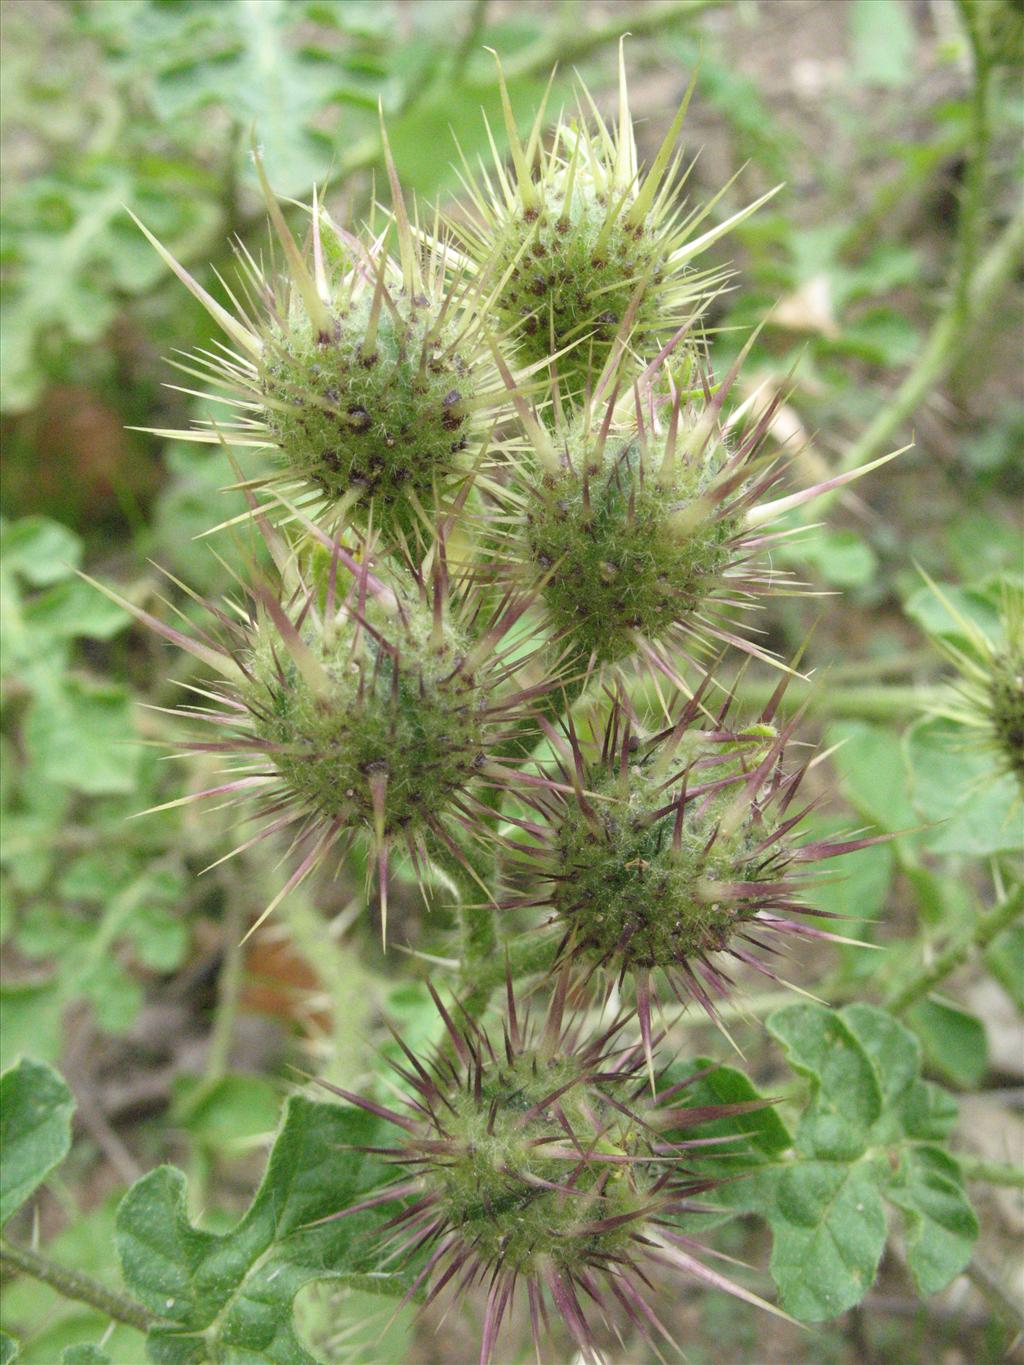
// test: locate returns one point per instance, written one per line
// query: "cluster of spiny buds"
(496, 476)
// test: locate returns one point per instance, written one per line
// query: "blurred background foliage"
(122, 964)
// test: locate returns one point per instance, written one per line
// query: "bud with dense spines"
(987, 697)
(368, 376)
(350, 708)
(581, 238)
(642, 517)
(657, 855)
(542, 1162)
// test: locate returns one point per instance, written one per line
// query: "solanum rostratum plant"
(512, 528)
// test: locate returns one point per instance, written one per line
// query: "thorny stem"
(991, 1172)
(975, 287)
(986, 928)
(72, 1284)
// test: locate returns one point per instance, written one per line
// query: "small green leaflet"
(35, 1130)
(228, 1298)
(866, 1138)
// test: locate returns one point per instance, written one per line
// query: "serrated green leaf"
(841, 558)
(827, 1215)
(942, 614)
(727, 1085)
(31, 1020)
(35, 1130)
(828, 1225)
(872, 773)
(75, 609)
(228, 1298)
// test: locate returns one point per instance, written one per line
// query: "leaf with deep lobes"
(228, 1297)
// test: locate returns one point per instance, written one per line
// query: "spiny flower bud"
(987, 698)
(579, 238)
(364, 373)
(638, 519)
(657, 854)
(543, 1162)
(353, 708)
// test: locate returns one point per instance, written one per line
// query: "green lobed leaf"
(828, 1222)
(1004, 958)
(84, 1354)
(42, 551)
(8, 1349)
(941, 1226)
(228, 1297)
(35, 1130)
(866, 1137)
(975, 810)
(872, 773)
(80, 735)
(954, 1042)
(845, 1094)
(841, 558)
(727, 1085)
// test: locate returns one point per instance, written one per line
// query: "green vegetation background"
(119, 959)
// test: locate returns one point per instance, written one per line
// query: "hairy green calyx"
(372, 406)
(385, 725)
(509, 1146)
(619, 550)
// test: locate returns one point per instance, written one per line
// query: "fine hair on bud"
(541, 1163)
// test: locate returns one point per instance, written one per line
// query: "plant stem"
(74, 1285)
(991, 1172)
(229, 987)
(879, 703)
(975, 287)
(574, 45)
(538, 59)
(990, 1286)
(469, 39)
(984, 931)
